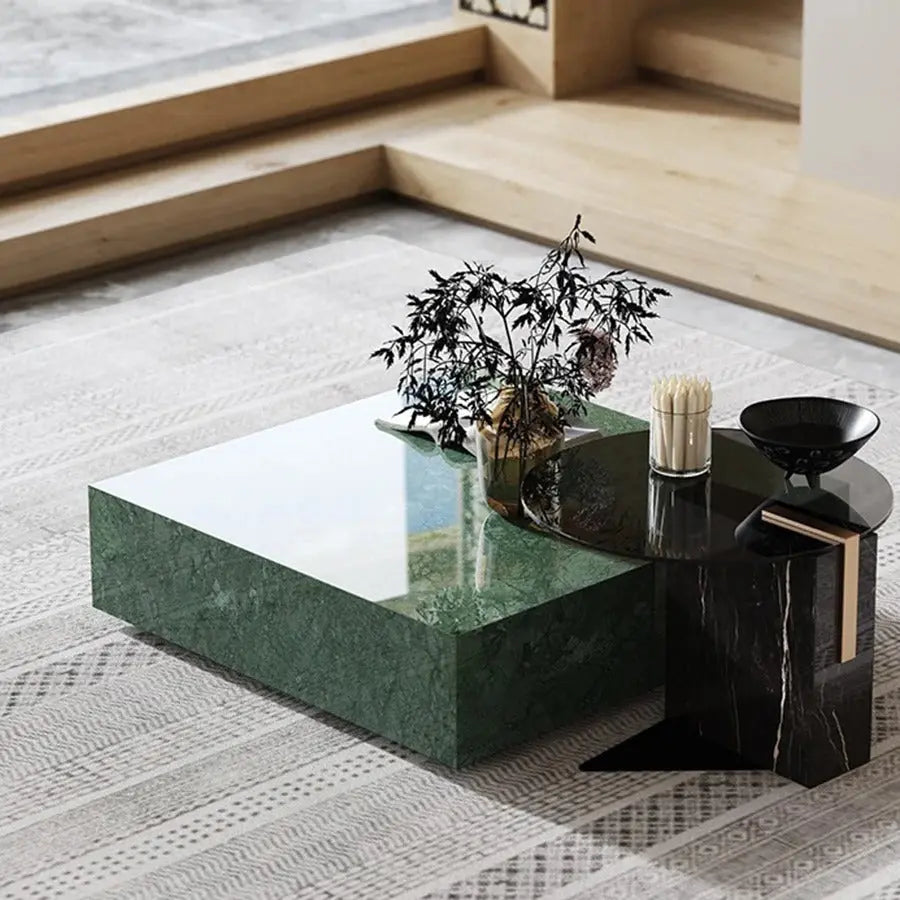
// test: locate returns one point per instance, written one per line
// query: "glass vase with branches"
(517, 358)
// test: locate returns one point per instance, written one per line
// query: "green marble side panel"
(578, 653)
(386, 672)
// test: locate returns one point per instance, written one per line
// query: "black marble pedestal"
(753, 675)
(768, 651)
(758, 615)
(753, 662)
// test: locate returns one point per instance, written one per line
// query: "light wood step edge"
(55, 234)
(90, 135)
(681, 46)
(639, 241)
(787, 110)
(139, 232)
(154, 208)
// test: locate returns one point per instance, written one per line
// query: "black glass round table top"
(602, 492)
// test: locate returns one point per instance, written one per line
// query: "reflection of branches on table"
(571, 495)
(542, 498)
(596, 495)
(595, 491)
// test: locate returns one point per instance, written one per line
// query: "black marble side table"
(769, 600)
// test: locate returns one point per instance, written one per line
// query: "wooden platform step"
(694, 188)
(750, 47)
(148, 209)
(118, 129)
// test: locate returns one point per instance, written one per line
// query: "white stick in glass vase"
(665, 422)
(679, 409)
(692, 429)
(707, 409)
(656, 420)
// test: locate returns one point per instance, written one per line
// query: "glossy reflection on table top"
(601, 492)
(388, 518)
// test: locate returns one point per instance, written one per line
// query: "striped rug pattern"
(129, 768)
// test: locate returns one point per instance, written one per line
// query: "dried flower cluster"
(599, 360)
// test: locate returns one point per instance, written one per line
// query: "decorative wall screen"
(526, 12)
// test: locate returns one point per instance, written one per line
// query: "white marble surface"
(436, 231)
(263, 18)
(47, 41)
(56, 51)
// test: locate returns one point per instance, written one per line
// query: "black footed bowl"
(808, 435)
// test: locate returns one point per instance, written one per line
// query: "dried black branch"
(558, 331)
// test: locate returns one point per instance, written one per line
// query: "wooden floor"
(751, 47)
(698, 189)
(695, 188)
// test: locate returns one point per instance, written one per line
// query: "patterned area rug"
(131, 769)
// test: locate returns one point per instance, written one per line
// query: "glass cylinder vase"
(507, 451)
(503, 465)
(680, 442)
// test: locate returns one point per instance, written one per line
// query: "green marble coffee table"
(359, 571)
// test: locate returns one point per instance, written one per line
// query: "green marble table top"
(387, 518)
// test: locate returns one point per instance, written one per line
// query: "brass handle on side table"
(791, 520)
